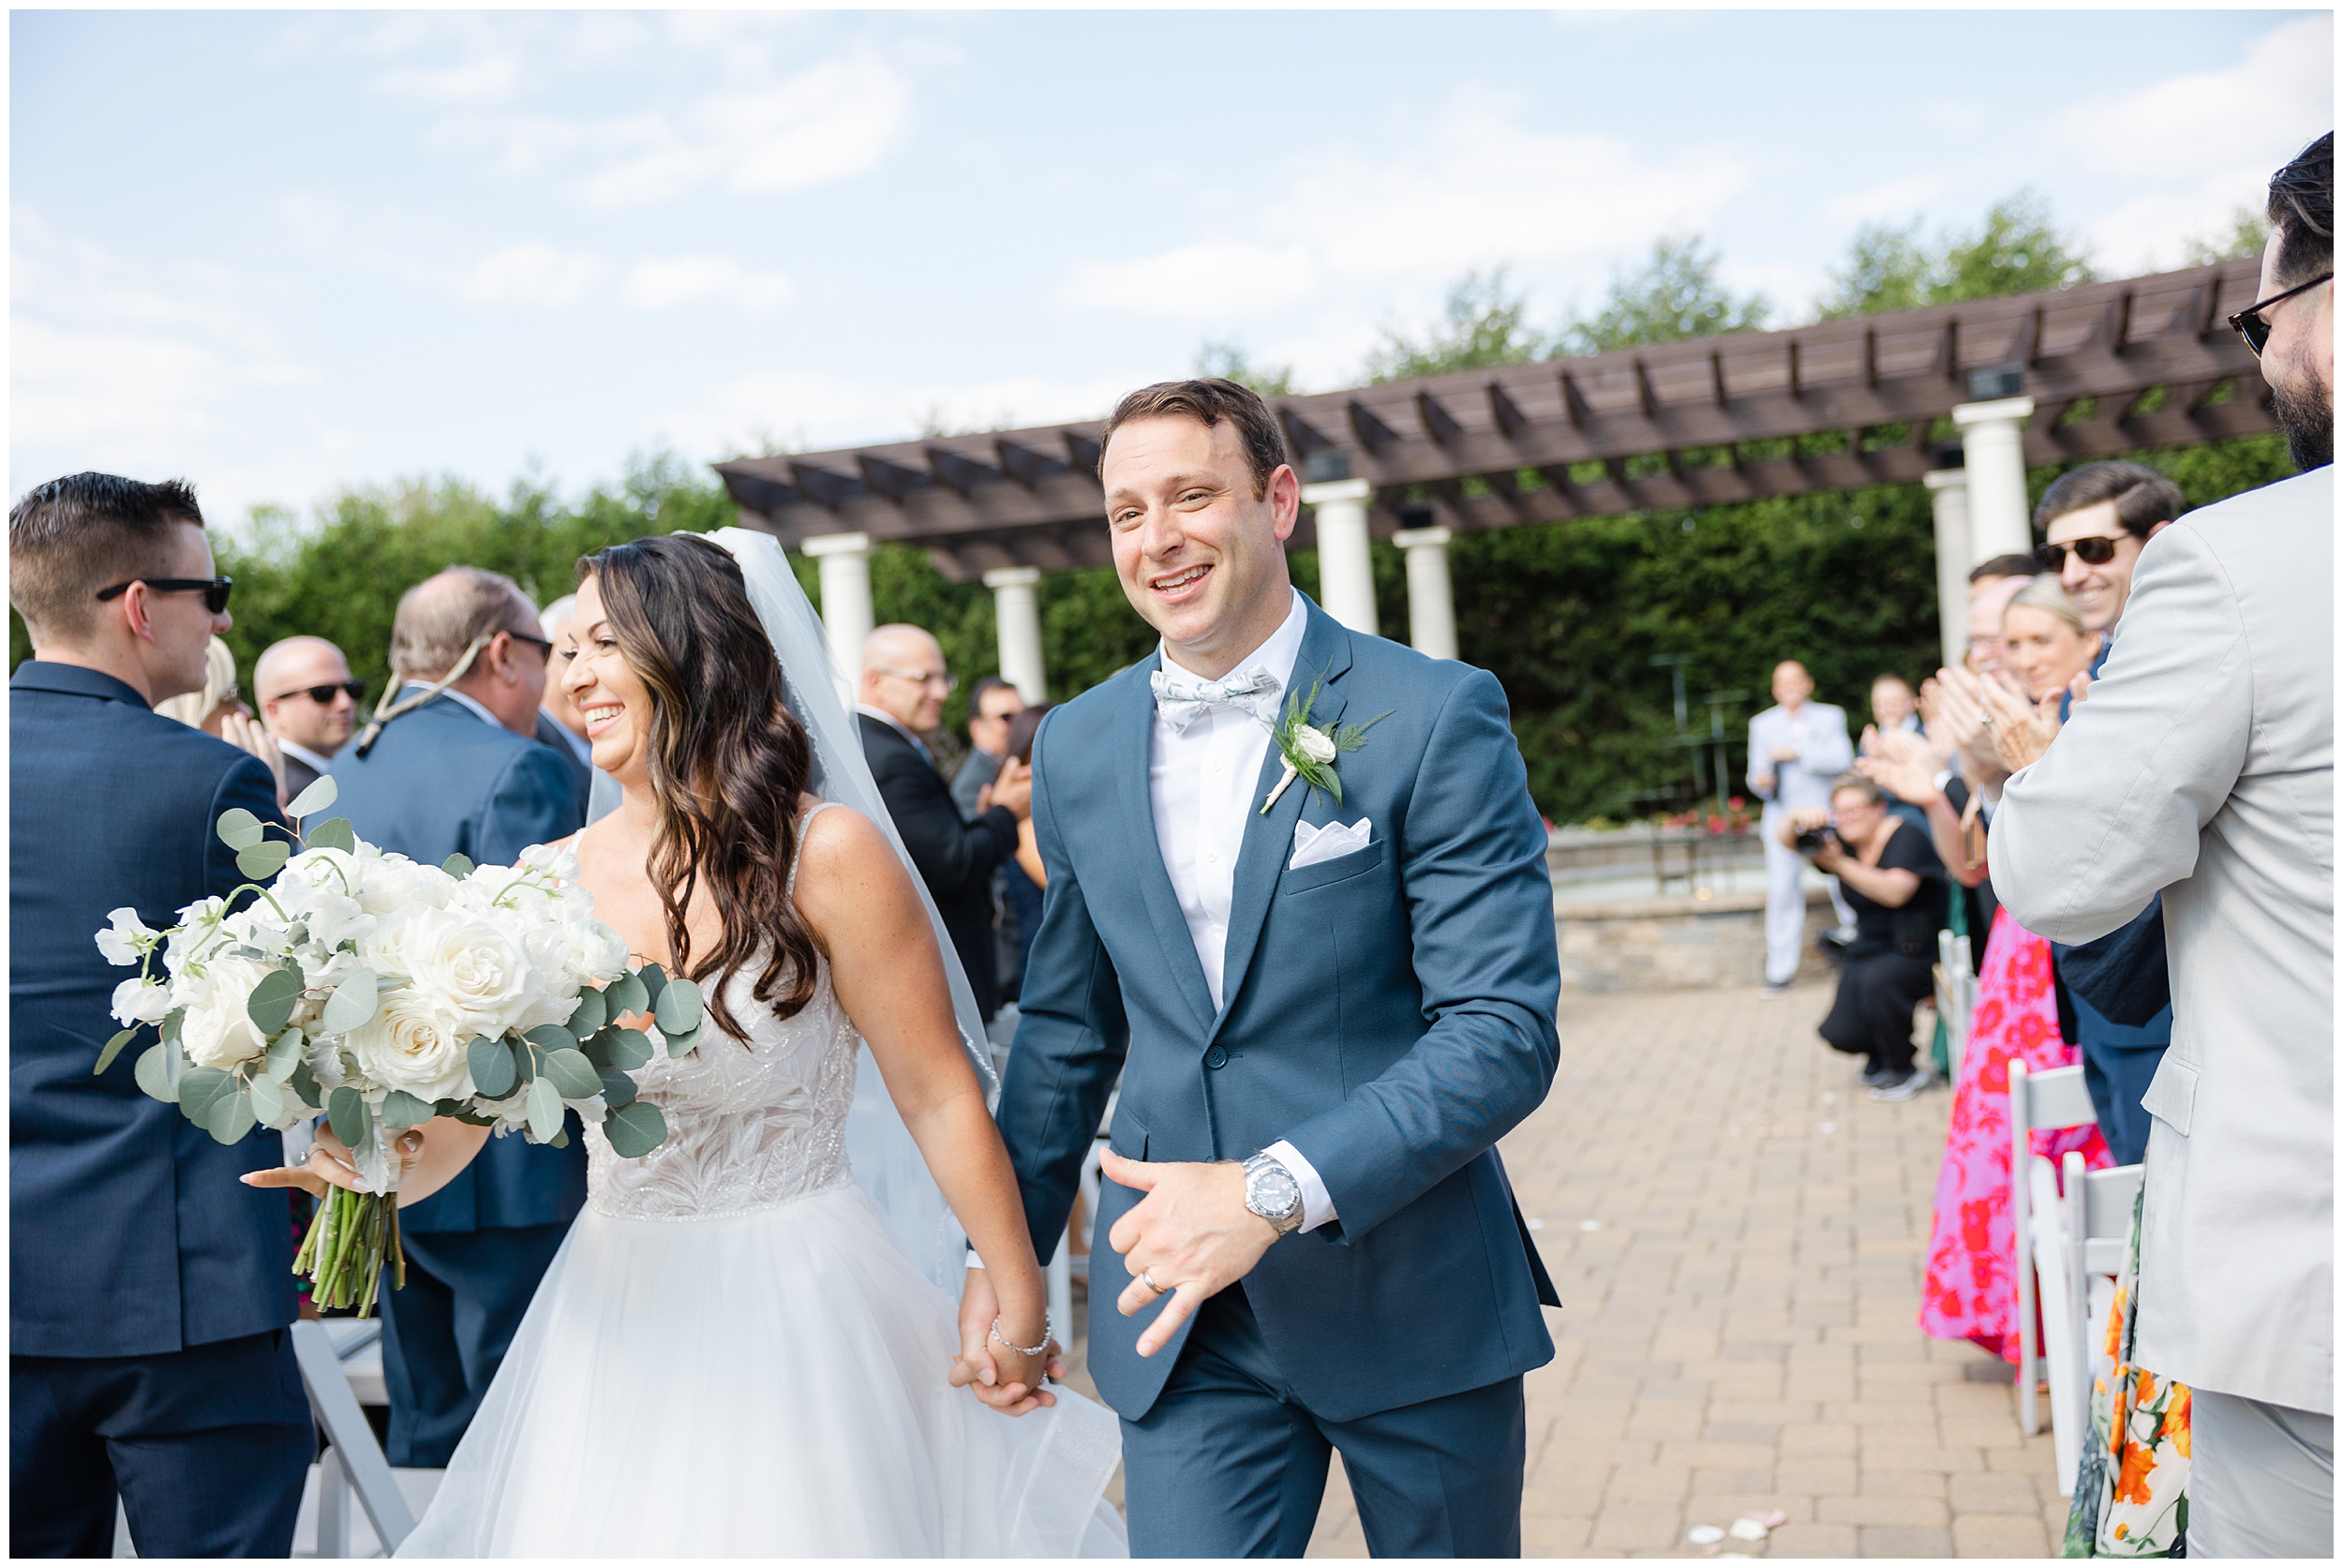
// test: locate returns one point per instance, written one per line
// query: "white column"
(1017, 616)
(1346, 572)
(846, 614)
(1431, 601)
(1949, 493)
(1992, 437)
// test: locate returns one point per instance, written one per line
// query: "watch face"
(1274, 1192)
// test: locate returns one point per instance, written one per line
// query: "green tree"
(2246, 233)
(2015, 250)
(1218, 357)
(1674, 295)
(1481, 323)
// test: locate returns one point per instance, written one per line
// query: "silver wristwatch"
(1271, 1191)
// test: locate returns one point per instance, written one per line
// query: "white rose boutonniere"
(1310, 751)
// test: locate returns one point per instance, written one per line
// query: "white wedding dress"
(731, 1357)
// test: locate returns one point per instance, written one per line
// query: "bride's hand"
(998, 1375)
(328, 1164)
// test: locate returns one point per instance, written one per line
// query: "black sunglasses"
(2254, 327)
(323, 695)
(2094, 550)
(215, 589)
(539, 642)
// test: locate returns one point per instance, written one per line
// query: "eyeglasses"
(215, 589)
(2254, 327)
(323, 695)
(2095, 550)
(539, 643)
(924, 677)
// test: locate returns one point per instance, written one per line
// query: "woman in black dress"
(1896, 885)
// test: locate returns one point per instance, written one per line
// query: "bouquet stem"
(352, 1236)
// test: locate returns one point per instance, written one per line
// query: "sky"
(283, 253)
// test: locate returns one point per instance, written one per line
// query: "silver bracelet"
(1021, 1349)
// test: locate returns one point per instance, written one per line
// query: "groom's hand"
(1192, 1235)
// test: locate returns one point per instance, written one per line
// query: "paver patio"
(1738, 1232)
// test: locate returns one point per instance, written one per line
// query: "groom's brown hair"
(1209, 399)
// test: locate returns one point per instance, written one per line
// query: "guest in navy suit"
(460, 772)
(149, 1290)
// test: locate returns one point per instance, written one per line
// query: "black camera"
(1815, 839)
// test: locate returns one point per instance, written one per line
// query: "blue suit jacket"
(128, 1231)
(439, 781)
(1391, 1012)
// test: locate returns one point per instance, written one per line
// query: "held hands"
(1191, 1236)
(1000, 1376)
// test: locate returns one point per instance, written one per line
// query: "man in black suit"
(462, 772)
(309, 703)
(901, 698)
(149, 1290)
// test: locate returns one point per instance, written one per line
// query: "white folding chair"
(1956, 998)
(352, 1460)
(2054, 1098)
(2098, 1236)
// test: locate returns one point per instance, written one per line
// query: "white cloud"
(2257, 113)
(808, 410)
(660, 283)
(1892, 200)
(531, 273)
(1477, 189)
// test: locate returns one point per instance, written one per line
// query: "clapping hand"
(1000, 1376)
(1960, 699)
(245, 734)
(1189, 1238)
(2022, 730)
(1901, 762)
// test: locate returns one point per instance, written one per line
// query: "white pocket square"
(1313, 844)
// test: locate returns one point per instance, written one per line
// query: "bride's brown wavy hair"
(727, 761)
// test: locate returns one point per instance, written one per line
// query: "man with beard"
(2203, 765)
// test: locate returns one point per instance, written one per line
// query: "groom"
(1320, 1042)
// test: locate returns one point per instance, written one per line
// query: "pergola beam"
(1494, 448)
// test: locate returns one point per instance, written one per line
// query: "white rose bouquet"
(380, 993)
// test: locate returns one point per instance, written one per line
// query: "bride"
(732, 1354)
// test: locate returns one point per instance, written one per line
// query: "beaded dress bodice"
(752, 1123)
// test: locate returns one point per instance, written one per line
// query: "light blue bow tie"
(1182, 699)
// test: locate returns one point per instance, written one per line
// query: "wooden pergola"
(2110, 367)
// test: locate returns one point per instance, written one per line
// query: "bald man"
(900, 702)
(309, 703)
(1796, 748)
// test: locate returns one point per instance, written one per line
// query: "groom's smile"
(1199, 540)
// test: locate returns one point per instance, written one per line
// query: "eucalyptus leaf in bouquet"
(379, 993)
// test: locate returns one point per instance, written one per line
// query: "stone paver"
(1738, 1232)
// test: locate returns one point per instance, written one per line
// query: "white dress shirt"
(883, 716)
(1200, 782)
(473, 703)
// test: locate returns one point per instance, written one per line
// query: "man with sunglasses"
(2202, 766)
(149, 1290)
(309, 703)
(451, 764)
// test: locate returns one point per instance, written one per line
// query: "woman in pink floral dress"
(1971, 1291)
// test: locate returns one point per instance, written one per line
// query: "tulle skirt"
(761, 1384)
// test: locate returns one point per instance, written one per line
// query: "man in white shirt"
(309, 703)
(1796, 748)
(1325, 996)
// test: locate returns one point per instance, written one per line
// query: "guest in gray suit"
(309, 703)
(2203, 765)
(1796, 748)
(992, 704)
(461, 771)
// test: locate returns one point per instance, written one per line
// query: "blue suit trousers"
(1229, 1463)
(446, 1335)
(207, 1447)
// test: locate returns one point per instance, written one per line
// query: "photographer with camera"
(1896, 885)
